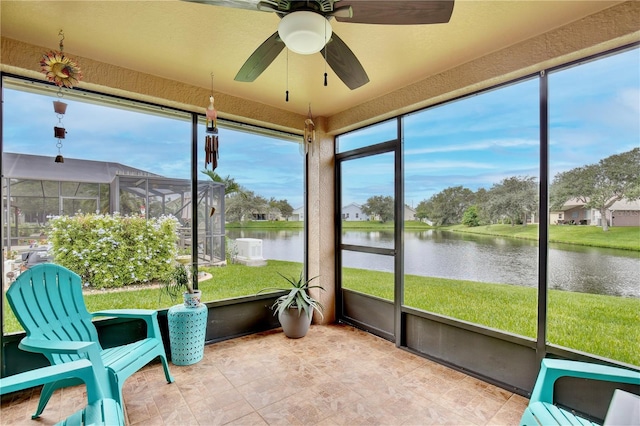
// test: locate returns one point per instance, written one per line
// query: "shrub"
(471, 217)
(231, 250)
(112, 250)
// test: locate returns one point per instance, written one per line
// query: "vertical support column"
(320, 221)
(543, 215)
(194, 200)
(399, 235)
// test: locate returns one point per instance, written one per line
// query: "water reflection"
(380, 239)
(478, 258)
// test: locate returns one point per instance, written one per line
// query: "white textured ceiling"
(186, 42)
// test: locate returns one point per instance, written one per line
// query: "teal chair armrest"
(126, 313)
(89, 350)
(55, 346)
(81, 369)
(148, 315)
(100, 411)
(553, 369)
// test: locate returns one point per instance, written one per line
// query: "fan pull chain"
(286, 98)
(326, 46)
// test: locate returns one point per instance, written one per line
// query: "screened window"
(471, 172)
(594, 129)
(133, 161)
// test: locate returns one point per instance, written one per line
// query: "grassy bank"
(603, 325)
(265, 224)
(625, 238)
(363, 225)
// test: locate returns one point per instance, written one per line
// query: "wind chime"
(211, 140)
(62, 71)
(309, 132)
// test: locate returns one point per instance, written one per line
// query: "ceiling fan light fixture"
(304, 32)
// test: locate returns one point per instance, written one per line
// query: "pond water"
(477, 258)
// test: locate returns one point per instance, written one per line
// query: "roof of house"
(618, 205)
(626, 205)
(358, 206)
(40, 167)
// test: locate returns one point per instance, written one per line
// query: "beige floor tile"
(336, 375)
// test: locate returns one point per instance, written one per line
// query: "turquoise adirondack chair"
(100, 411)
(47, 300)
(541, 409)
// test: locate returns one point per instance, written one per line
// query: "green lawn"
(619, 237)
(603, 325)
(227, 282)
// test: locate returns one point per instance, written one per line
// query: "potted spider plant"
(295, 309)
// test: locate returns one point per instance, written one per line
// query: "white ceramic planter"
(192, 300)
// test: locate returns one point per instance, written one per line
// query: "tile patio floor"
(336, 375)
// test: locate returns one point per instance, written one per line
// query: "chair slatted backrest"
(47, 300)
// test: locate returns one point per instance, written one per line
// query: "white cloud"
(474, 146)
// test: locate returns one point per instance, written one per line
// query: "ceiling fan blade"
(344, 63)
(260, 59)
(238, 4)
(399, 12)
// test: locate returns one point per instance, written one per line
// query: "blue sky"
(268, 166)
(480, 140)
(475, 142)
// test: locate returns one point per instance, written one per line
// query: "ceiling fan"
(305, 28)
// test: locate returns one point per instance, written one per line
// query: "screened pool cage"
(31, 195)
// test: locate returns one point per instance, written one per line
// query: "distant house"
(353, 212)
(572, 212)
(298, 214)
(264, 213)
(409, 213)
(621, 213)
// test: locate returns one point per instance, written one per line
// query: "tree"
(447, 206)
(422, 211)
(379, 206)
(481, 200)
(258, 207)
(244, 206)
(600, 185)
(234, 208)
(470, 217)
(230, 185)
(283, 206)
(514, 198)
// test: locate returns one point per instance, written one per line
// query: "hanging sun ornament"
(62, 71)
(59, 68)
